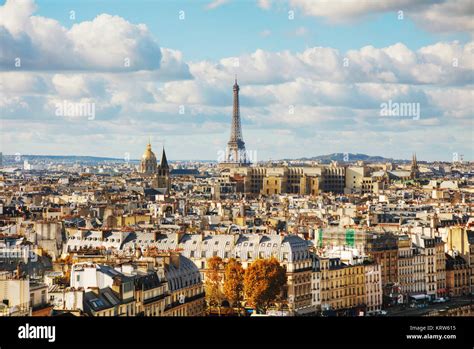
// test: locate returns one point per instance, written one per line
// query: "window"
(127, 287)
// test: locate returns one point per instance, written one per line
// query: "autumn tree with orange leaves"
(233, 282)
(264, 281)
(213, 282)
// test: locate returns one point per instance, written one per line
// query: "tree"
(264, 280)
(212, 284)
(233, 282)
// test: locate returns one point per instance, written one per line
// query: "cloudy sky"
(313, 76)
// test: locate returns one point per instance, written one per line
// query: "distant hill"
(325, 159)
(347, 157)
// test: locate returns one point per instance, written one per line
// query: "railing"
(186, 300)
(154, 299)
(303, 269)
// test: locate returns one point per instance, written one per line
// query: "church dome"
(148, 164)
(148, 154)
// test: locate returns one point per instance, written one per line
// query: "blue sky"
(309, 86)
(235, 27)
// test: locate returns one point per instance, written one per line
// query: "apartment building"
(457, 276)
(373, 287)
(342, 286)
(290, 250)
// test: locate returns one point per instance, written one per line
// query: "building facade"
(342, 287)
(457, 276)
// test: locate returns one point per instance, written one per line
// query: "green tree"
(234, 282)
(264, 280)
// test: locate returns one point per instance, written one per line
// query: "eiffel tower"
(235, 152)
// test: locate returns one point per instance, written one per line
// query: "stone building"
(457, 276)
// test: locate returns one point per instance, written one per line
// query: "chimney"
(179, 236)
(174, 258)
(18, 270)
(164, 260)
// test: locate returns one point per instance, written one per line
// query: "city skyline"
(306, 89)
(351, 158)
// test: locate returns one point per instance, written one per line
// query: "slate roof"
(104, 299)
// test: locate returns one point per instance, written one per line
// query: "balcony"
(155, 299)
(303, 269)
(186, 300)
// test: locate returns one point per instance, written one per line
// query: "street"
(451, 304)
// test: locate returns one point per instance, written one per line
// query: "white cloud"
(345, 10)
(107, 43)
(448, 16)
(23, 83)
(79, 85)
(110, 42)
(216, 3)
(14, 15)
(447, 63)
(317, 100)
(265, 4)
(434, 15)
